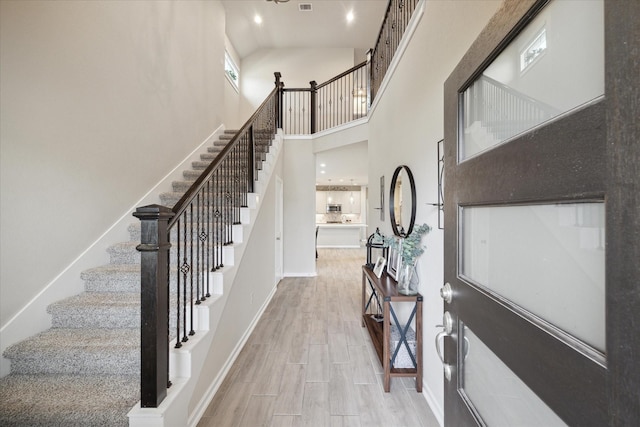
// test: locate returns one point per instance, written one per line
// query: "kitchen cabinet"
(340, 198)
(354, 206)
(321, 202)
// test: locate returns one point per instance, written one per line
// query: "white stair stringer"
(186, 363)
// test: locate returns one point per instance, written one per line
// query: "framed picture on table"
(394, 258)
(379, 267)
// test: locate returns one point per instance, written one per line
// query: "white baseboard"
(433, 403)
(305, 274)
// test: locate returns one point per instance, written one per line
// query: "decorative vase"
(408, 279)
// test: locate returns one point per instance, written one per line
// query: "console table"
(379, 318)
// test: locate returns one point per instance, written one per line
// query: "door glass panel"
(548, 259)
(554, 65)
(499, 397)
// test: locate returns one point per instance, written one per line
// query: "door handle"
(447, 330)
(440, 336)
(446, 368)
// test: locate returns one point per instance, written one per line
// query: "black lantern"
(375, 242)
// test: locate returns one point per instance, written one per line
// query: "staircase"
(85, 370)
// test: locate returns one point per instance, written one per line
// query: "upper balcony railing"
(396, 20)
(348, 96)
(340, 100)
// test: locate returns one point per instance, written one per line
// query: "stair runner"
(85, 370)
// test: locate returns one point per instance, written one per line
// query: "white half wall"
(299, 208)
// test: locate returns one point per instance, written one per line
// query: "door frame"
(279, 230)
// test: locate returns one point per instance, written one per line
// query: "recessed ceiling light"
(257, 19)
(322, 171)
(350, 16)
(322, 165)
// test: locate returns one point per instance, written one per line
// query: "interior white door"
(279, 225)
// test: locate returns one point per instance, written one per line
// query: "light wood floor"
(310, 363)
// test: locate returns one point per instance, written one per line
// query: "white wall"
(254, 282)
(99, 100)
(404, 129)
(299, 208)
(298, 68)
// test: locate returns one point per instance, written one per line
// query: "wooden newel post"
(154, 295)
(251, 153)
(314, 104)
(369, 78)
(278, 111)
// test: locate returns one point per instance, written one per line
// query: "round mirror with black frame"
(402, 201)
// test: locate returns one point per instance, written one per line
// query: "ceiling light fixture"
(350, 16)
(278, 1)
(257, 19)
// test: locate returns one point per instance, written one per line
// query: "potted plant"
(410, 249)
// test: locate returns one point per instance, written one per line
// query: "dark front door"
(541, 202)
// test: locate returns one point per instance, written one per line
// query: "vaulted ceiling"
(284, 25)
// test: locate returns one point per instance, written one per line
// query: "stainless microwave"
(334, 208)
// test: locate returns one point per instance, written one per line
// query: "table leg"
(386, 357)
(364, 294)
(419, 346)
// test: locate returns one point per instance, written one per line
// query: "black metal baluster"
(208, 245)
(178, 342)
(192, 241)
(199, 251)
(185, 268)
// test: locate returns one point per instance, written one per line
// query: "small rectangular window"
(534, 50)
(231, 70)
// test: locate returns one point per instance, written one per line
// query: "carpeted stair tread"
(67, 400)
(97, 310)
(192, 175)
(135, 233)
(77, 351)
(171, 198)
(201, 165)
(112, 278)
(125, 271)
(124, 253)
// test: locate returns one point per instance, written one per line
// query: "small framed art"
(379, 267)
(394, 258)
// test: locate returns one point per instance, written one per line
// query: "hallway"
(310, 363)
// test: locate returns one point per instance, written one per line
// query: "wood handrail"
(197, 186)
(339, 76)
